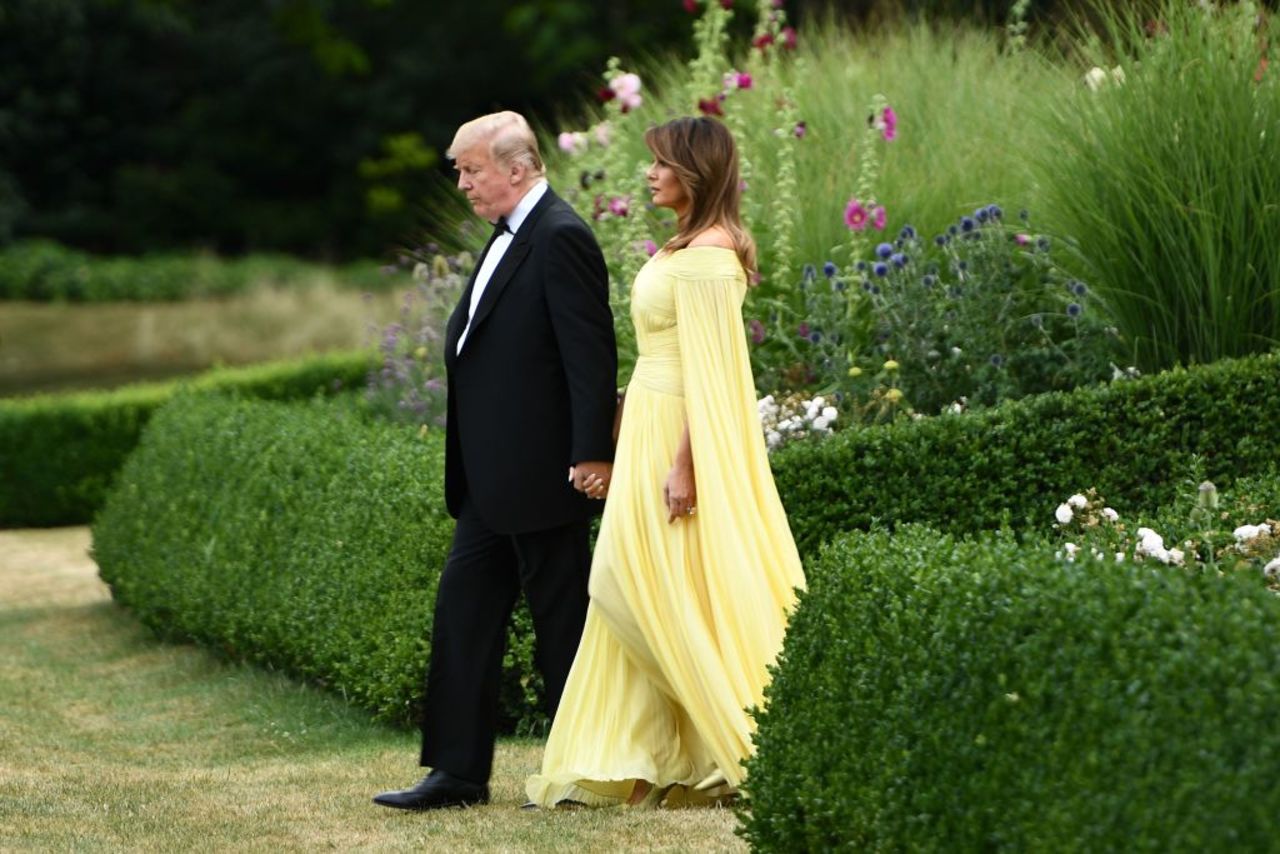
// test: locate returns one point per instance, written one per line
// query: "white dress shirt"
(499, 248)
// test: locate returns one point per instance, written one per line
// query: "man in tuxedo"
(532, 365)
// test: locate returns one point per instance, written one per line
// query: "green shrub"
(59, 452)
(45, 271)
(298, 536)
(1015, 463)
(936, 695)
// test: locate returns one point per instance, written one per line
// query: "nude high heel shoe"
(713, 780)
(651, 799)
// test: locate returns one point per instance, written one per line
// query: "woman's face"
(665, 189)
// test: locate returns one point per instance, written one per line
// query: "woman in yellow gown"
(695, 569)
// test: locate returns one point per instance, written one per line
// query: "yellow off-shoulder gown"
(684, 617)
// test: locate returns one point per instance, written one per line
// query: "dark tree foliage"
(310, 126)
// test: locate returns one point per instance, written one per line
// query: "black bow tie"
(500, 227)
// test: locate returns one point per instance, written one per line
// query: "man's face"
(488, 186)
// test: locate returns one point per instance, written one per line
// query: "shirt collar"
(526, 204)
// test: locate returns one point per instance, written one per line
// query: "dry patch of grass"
(60, 346)
(110, 740)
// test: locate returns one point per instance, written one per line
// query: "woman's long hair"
(704, 158)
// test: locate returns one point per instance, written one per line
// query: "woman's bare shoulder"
(713, 236)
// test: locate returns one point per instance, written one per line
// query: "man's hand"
(592, 478)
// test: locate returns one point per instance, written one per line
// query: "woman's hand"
(680, 491)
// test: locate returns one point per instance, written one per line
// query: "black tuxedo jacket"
(534, 389)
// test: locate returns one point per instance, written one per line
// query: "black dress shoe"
(437, 790)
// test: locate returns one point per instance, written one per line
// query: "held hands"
(591, 478)
(680, 491)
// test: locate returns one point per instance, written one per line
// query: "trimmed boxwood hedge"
(936, 695)
(1014, 463)
(59, 452)
(298, 536)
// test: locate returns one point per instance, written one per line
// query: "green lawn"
(110, 740)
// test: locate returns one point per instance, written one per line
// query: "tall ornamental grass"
(799, 104)
(1166, 177)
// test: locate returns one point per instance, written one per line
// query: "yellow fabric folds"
(685, 617)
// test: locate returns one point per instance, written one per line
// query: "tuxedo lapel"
(511, 261)
(458, 320)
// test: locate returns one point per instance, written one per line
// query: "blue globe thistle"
(829, 269)
(899, 243)
(908, 232)
(875, 290)
(1078, 288)
(996, 360)
(1042, 243)
(953, 230)
(1074, 310)
(929, 280)
(932, 269)
(954, 292)
(881, 268)
(899, 260)
(967, 224)
(866, 285)
(884, 250)
(962, 266)
(981, 214)
(838, 285)
(995, 212)
(1037, 321)
(809, 274)
(861, 266)
(815, 336)
(941, 239)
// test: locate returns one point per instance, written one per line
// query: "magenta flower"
(726, 4)
(889, 124)
(878, 217)
(855, 215)
(744, 80)
(801, 129)
(1022, 239)
(762, 41)
(757, 331)
(802, 330)
(789, 38)
(619, 205)
(650, 248)
(691, 6)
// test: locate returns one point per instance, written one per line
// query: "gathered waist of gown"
(661, 373)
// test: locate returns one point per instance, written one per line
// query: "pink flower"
(889, 124)
(619, 205)
(726, 4)
(742, 185)
(691, 6)
(878, 218)
(627, 88)
(744, 80)
(778, 4)
(789, 38)
(762, 41)
(650, 248)
(801, 129)
(1022, 239)
(572, 142)
(757, 331)
(802, 330)
(855, 215)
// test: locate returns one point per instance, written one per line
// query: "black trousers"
(483, 575)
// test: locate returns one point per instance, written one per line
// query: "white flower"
(1272, 570)
(1063, 514)
(1094, 78)
(1078, 501)
(829, 413)
(773, 439)
(1071, 549)
(1119, 557)
(820, 423)
(1175, 557)
(1247, 532)
(819, 401)
(1110, 515)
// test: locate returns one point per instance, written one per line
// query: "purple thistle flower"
(884, 250)
(967, 224)
(899, 260)
(757, 331)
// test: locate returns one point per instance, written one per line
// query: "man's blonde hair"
(510, 139)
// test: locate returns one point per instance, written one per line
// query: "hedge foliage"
(939, 695)
(59, 452)
(292, 535)
(45, 271)
(1014, 463)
